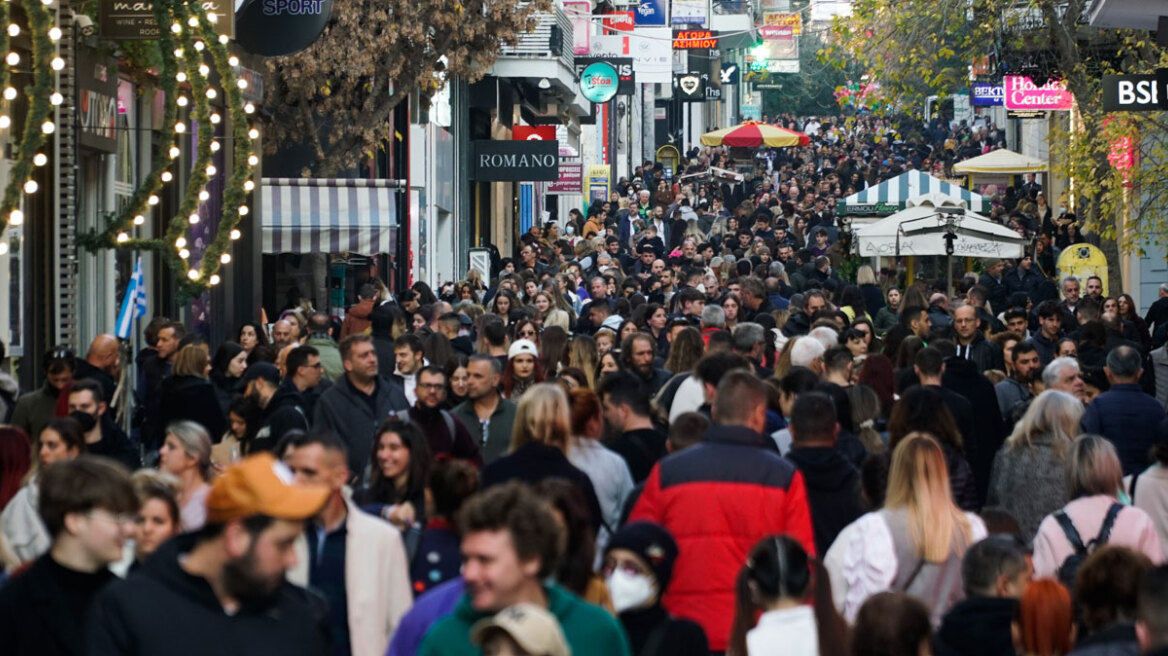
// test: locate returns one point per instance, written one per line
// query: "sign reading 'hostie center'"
(1022, 93)
(515, 161)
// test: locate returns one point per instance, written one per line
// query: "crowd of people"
(668, 426)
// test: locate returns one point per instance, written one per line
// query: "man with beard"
(103, 437)
(222, 589)
(36, 409)
(446, 435)
(284, 333)
(1015, 393)
(282, 405)
(637, 353)
(627, 413)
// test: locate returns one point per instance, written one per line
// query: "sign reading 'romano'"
(515, 161)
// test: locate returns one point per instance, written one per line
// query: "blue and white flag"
(134, 304)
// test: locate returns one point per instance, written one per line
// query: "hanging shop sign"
(618, 21)
(515, 161)
(691, 12)
(533, 133)
(97, 101)
(1131, 93)
(1022, 93)
(571, 180)
(795, 21)
(776, 32)
(729, 73)
(651, 13)
(598, 82)
(580, 13)
(130, 20)
(623, 68)
(695, 39)
(690, 87)
(281, 27)
(986, 94)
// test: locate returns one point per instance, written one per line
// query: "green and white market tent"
(889, 196)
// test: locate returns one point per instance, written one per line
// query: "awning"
(1001, 161)
(329, 215)
(890, 196)
(920, 229)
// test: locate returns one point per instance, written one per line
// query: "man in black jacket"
(972, 344)
(222, 589)
(282, 405)
(360, 400)
(962, 377)
(626, 411)
(994, 571)
(103, 437)
(86, 505)
(833, 484)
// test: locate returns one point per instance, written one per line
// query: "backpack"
(1070, 566)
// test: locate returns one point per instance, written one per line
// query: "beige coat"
(377, 580)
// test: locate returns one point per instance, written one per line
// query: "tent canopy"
(920, 228)
(1000, 161)
(890, 195)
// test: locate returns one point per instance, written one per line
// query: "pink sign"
(1021, 93)
(580, 13)
(776, 32)
(570, 181)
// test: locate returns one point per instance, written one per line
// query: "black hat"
(265, 370)
(652, 543)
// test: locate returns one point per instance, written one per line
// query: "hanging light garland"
(188, 37)
(41, 93)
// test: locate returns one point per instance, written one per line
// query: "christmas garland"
(186, 47)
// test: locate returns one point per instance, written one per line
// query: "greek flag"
(134, 304)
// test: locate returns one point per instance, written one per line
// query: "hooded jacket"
(833, 491)
(161, 609)
(982, 352)
(285, 411)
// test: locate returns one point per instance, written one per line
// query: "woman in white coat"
(25, 534)
(914, 544)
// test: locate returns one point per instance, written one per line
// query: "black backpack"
(1070, 566)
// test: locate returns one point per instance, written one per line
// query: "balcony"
(545, 53)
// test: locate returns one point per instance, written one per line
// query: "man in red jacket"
(718, 499)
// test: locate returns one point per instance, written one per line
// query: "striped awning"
(889, 196)
(329, 215)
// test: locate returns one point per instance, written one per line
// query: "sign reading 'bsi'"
(1131, 93)
(515, 161)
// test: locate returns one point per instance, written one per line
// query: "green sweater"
(589, 629)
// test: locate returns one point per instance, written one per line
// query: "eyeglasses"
(120, 519)
(434, 387)
(527, 333)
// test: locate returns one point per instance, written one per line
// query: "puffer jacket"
(718, 499)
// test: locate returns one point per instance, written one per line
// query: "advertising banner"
(652, 13)
(533, 133)
(598, 81)
(622, 66)
(776, 32)
(128, 20)
(580, 12)
(618, 21)
(652, 53)
(571, 180)
(695, 39)
(986, 94)
(793, 20)
(691, 12)
(1023, 94)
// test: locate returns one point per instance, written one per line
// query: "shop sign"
(599, 82)
(776, 32)
(986, 94)
(729, 74)
(581, 14)
(129, 20)
(533, 133)
(281, 27)
(1022, 93)
(618, 21)
(1025, 113)
(97, 101)
(623, 67)
(691, 87)
(795, 21)
(651, 13)
(1131, 93)
(691, 12)
(571, 180)
(515, 161)
(694, 39)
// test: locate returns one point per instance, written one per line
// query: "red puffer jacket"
(718, 499)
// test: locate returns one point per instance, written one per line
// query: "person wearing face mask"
(638, 565)
(103, 437)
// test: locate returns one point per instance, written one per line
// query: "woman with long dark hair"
(227, 368)
(775, 585)
(400, 469)
(523, 369)
(251, 335)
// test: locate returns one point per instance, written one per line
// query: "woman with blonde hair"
(583, 355)
(1094, 482)
(1029, 471)
(186, 455)
(188, 395)
(540, 439)
(914, 544)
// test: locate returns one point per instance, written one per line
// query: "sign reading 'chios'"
(599, 82)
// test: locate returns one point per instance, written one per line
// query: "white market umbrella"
(1001, 161)
(920, 229)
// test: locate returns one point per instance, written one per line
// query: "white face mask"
(629, 591)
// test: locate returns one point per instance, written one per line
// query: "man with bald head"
(971, 342)
(284, 333)
(101, 364)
